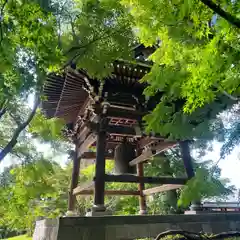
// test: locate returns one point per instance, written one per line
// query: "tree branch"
(1, 20)
(230, 96)
(3, 6)
(8, 148)
(226, 15)
(2, 112)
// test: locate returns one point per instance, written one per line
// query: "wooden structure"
(106, 115)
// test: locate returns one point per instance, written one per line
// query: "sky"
(230, 165)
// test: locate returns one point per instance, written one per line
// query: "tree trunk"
(226, 15)
(8, 148)
(169, 197)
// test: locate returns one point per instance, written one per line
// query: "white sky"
(230, 165)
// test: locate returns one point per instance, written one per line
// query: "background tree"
(37, 189)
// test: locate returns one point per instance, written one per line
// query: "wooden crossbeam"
(127, 178)
(154, 150)
(92, 156)
(162, 188)
(111, 192)
(114, 129)
(83, 187)
(121, 130)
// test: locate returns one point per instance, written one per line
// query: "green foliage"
(207, 183)
(28, 45)
(39, 189)
(196, 62)
(101, 34)
(48, 129)
(203, 186)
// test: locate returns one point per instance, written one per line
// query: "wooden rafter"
(61, 96)
(110, 192)
(152, 151)
(162, 188)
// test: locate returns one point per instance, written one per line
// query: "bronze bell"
(124, 153)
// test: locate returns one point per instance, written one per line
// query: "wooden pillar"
(100, 166)
(74, 181)
(141, 187)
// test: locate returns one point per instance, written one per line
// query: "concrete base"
(132, 227)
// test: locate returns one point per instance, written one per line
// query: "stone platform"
(132, 227)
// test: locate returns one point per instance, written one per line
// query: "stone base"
(71, 214)
(46, 229)
(98, 210)
(132, 227)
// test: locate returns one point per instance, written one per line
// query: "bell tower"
(108, 116)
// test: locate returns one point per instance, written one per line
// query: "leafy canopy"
(196, 60)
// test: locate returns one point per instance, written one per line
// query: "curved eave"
(66, 94)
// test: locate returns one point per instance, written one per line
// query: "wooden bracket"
(152, 151)
(84, 187)
(162, 188)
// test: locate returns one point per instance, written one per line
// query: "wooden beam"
(85, 186)
(124, 113)
(127, 178)
(92, 156)
(163, 188)
(121, 130)
(114, 129)
(149, 153)
(87, 143)
(111, 192)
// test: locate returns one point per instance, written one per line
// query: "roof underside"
(68, 94)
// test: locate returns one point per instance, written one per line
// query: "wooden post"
(99, 184)
(74, 181)
(141, 187)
